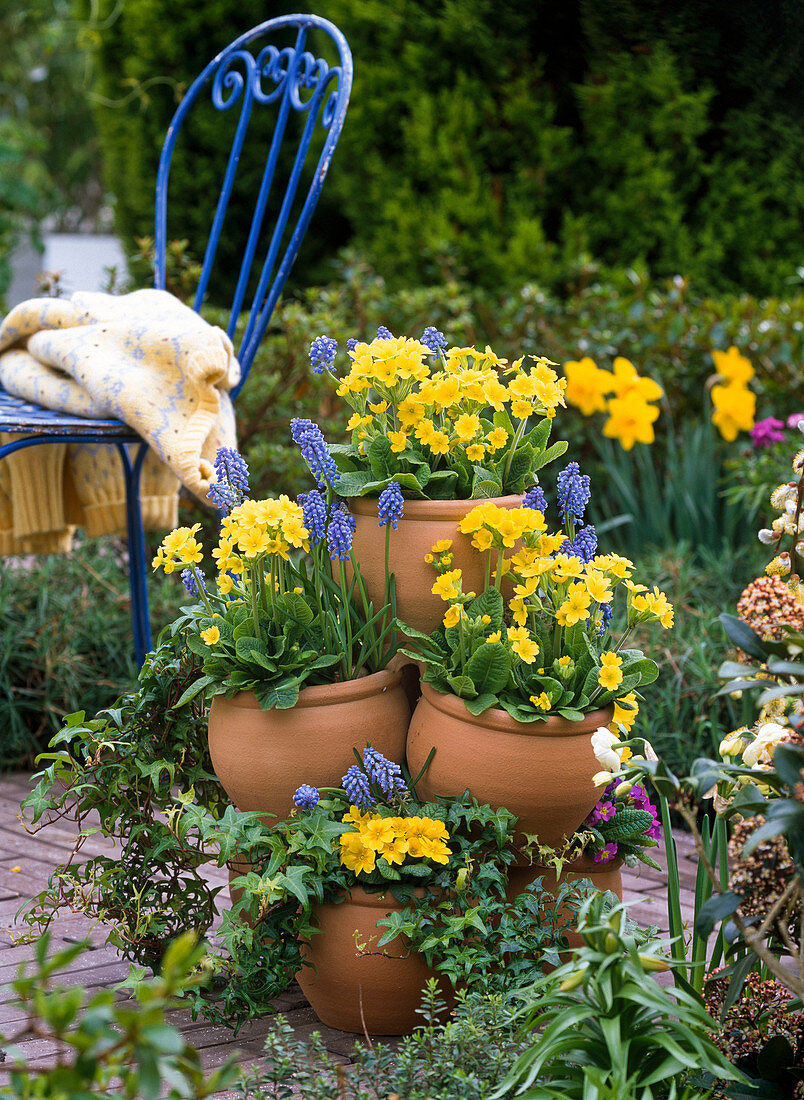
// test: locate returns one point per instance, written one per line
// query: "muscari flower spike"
(356, 785)
(607, 613)
(188, 577)
(340, 529)
(314, 515)
(231, 487)
(434, 340)
(583, 546)
(573, 492)
(391, 506)
(535, 498)
(322, 354)
(315, 451)
(306, 797)
(385, 773)
(384, 333)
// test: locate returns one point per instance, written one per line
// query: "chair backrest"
(291, 79)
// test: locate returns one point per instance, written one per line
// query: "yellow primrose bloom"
(454, 615)
(475, 452)
(399, 441)
(434, 850)
(379, 408)
(357, 421)
(225, 584)
(494, 637)
(410, 412)
(211, 636)
(622, 716)
(576, 606)
(176, 540)
(377, 831)
(356, 855)
(438, 443)
(447, 586)
(519, 610)
(613, 564)
(542, 701)
(525, 648)
(566, 567)
(598, 586)
(356, 816)
(424, 431)
(442, 546)
(254, 542)
(467, 427)
(610, 675)
(522, 409)
(497, 438)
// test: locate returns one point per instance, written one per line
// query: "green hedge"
(502, 144)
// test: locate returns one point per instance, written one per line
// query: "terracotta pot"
(604, 876)
(263, 756)
(379, 991)
(424, 523)
(540, 771)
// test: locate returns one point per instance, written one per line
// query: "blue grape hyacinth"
(391, 506)
(339, 533)
(315, 451)
(314, 515)
(306, 797)
(231, 487)
(535, 498)
(573, 492)
(356, 785)
(434, 340)
(384, 772)
(190, 583)
(384, 333)
(322, 354)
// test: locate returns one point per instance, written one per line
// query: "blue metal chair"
(291, 79)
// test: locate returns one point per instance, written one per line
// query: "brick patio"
(102, 966)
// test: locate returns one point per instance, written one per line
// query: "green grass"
(681, 716)
(65, 643)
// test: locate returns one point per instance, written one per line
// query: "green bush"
(66, 641)
(536, 143)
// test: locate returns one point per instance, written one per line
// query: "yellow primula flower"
(494, 637)
(475, 452)
(356, 855)
(454, 615)
(225, 584)
(497, 438)
(626, 717)
(467, 427)
(211, 636)
(598, 586)
(442, 546)
(448, 585)
(610, 675)
(627, 382)
(399, 441)
(542, 701)
(439, 443)
(377, 831)
(525, 648)
(575, 608)
(379, 408)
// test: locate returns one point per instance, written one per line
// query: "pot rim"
(325, 695)
(357, 895)
(432, 509)
(500, 721)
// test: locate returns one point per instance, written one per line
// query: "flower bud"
(573, 981)
(650, 962)
(611, 943)
(622, 789)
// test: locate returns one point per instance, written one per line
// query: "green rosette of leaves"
(538, 640)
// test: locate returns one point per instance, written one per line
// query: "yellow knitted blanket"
(143, 358)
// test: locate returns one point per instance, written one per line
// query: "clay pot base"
(378, 991)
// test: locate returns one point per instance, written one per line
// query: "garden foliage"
(541, 145)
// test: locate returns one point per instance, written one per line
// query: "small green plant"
(462, 1059)
(134, 765)
(110, 1047)
(599, 1026)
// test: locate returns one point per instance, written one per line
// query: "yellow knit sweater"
(143, 358)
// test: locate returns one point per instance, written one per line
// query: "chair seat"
(17, 415)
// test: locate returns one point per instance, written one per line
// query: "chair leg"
(137, 564)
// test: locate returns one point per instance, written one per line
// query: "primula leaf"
(481, 703)
(441, 485)
(382, 460)
(488, 603)
(552, 453)
(462, 686)
(254, 651)
(628, 823)
(295, 606)
(520, 474)
(488, 667)
(387, 870)
(520, 713)
(281, 696)
(482, 490)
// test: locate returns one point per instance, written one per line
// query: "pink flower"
(795, 419)
(607, 854)
(767, 432)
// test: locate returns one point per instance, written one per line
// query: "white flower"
(603, 742)
(650, 752)
(761, 748)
